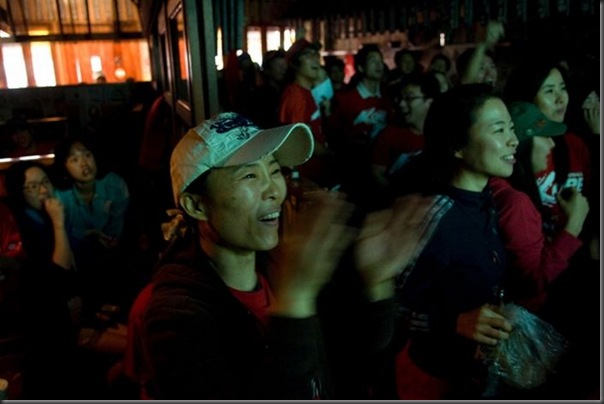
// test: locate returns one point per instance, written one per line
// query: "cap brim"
(552, 128)
(291, 145)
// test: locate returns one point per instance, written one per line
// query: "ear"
(193, 206)
(459, 153)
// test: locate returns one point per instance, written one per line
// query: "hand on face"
(55, 209)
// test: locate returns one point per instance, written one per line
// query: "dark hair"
(398, 56)
(446, 130)
(427, 82)
(523, 177)
(461, 63)
(333, 61)
(443, 58)
(62, 177)
(15, 179)
(360, 58)
(523, 84)
(524, 81)
(271, 55)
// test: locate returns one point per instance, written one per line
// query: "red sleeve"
(580, 158)
(536, 260)
(10, 238)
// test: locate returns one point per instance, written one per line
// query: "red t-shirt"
(534, 260)
(578, 177)
(256, 301)
(394, 144)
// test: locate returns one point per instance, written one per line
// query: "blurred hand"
(495, 32)
(389, 239)
(484, 325)
(591, 112)
(309, 251)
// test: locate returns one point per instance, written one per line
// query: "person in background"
(48, 282)
(225, 321)
(298, 106)
(359, 114)
(96, 204)
(440, 63)
(535, 260)
(265, 108)
(569, 169)
(449, 299)
(406, 65)
(477, 64)
(24, 141)
(404, 138)
(335, 70)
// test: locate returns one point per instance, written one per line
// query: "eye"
(276, 171)
(249, 176)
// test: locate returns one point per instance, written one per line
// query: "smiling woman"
(450, 296)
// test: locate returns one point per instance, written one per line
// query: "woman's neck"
(470, 181)
(236, 268)
(85, 190)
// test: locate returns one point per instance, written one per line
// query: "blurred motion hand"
(309, 252)
(389, 241)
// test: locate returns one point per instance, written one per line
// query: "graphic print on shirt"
(548, 189)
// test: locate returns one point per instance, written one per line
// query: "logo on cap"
(235, 121)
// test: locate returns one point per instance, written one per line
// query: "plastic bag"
(530, 354)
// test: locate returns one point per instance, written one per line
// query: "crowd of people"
(334, 240)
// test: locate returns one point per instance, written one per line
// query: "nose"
(551, 143)
(271, 191)
(513, 141)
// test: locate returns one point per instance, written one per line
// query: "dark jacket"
(460, 269)
(200, 342)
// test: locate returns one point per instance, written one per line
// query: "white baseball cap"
(229, 139)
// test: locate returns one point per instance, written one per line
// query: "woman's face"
(80, 163)
(37, 187)
(490, 149)
(552, 97)
(542, 147)
(243, 205)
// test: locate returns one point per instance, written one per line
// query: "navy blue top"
(460, 269)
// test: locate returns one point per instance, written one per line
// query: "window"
(44, 70)
(14, 65)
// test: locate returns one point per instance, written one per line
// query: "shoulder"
(112, 181)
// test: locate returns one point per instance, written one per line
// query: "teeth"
(270, 216)
(510, 157)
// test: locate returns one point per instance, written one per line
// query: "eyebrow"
(255, 163)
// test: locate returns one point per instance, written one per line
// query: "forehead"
(77, 148)
(34, 174)
(493, 109)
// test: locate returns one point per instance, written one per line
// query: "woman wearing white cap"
(218, 326)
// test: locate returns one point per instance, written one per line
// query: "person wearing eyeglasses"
(48, 281)
(403, 137)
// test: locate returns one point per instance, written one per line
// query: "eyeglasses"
(34, 187)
